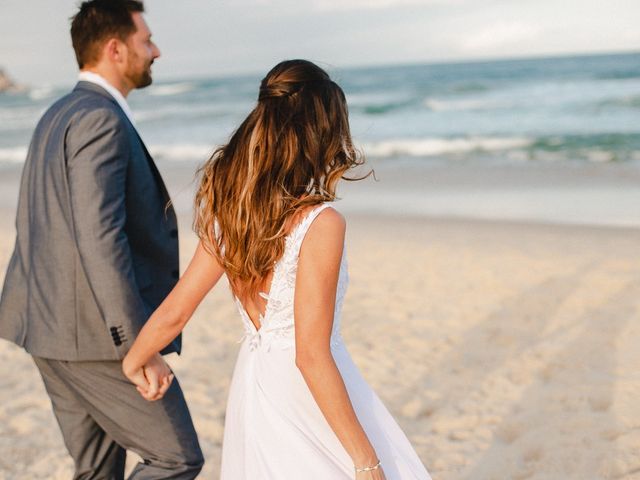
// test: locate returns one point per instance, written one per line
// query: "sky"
(222, 37)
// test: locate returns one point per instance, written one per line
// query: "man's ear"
(115, 50)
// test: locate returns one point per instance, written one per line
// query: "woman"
(298, 408)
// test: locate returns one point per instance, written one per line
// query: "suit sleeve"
(98, 152)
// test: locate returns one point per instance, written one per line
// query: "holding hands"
(152, 380)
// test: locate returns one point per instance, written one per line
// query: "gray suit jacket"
(97, 244)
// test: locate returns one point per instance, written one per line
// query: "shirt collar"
(99, 80)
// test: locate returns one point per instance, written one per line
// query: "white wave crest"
(438, 105)
(600, 156)
(182, 152)
(171, 89)
(41, 92)
(443, 146)
(177, 152)
(13, 154)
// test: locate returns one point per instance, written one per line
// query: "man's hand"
(152, 380)
(159, 377)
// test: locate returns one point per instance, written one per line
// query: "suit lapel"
(156, 174)
(154, 169)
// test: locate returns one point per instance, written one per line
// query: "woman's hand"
(143, 365)
(152, 380)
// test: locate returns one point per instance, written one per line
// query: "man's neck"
(113, 79)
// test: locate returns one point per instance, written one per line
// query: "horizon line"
(365, 66)
(418, 63)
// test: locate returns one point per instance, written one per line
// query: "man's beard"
(143, 79)
(140, 78)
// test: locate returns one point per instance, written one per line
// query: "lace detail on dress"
(277, 323)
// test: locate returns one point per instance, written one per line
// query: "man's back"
(96, 248)
(96, 253)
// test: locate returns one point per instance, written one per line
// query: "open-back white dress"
(274, 429)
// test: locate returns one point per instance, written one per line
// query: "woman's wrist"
(368, 468)
(127, 366)
(364, 459)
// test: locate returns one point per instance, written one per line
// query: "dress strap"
(300, 230)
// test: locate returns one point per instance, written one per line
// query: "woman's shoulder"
(326, 229)
(330, 219)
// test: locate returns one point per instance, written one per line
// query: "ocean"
(537, 124)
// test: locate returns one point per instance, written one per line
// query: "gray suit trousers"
(101, 415)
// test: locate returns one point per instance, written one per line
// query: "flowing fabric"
(274, 429)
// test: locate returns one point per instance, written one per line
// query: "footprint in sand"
(508, 432)
(599, 403)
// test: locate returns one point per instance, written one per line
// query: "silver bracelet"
(368, 469)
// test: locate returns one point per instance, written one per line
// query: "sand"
(505, 350)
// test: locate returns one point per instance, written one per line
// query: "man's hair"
(99, 20)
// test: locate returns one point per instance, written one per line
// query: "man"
(96, 252)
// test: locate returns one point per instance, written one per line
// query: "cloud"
(232, 36)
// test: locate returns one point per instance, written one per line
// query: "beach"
(494, 263)
(505, 350)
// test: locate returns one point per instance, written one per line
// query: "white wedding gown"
(274, 429)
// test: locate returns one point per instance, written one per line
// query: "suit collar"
(94, 88)
(105, 87)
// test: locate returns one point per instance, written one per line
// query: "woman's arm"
(174, 312)
(314, 303)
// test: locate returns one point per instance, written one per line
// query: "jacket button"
(175, 274)
(115, 334)
(174, 233)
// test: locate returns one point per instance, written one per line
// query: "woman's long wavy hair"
(289, 153)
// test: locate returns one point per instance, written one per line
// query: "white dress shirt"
(113, 91)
